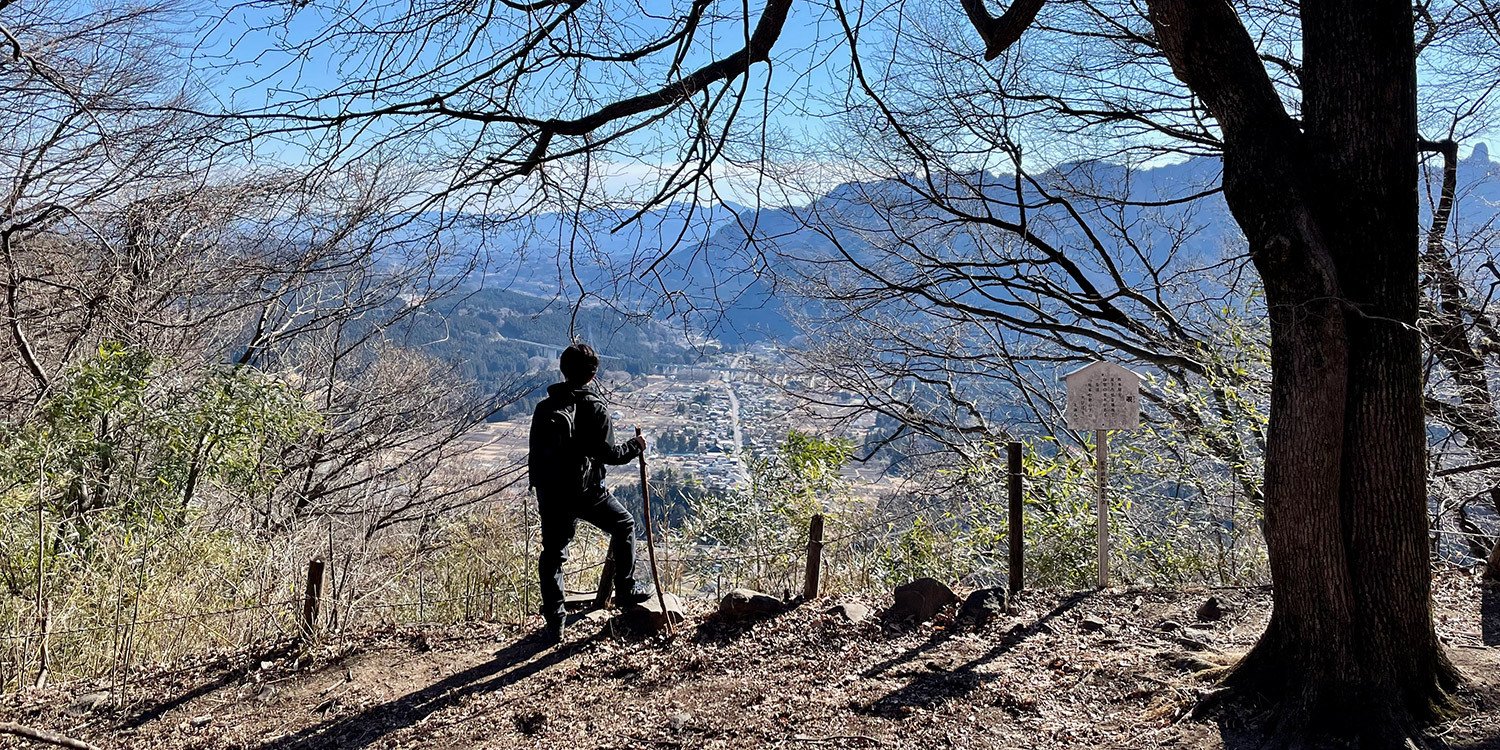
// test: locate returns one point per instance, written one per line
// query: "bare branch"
(999, 33)
(44, 736)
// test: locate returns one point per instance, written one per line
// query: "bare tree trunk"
(1330, 211)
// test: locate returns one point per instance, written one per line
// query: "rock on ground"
(88, 703)
(749, 604)
(1212, 610)
(849, 611)
(652, 615)
(921, 600)
(982, 607)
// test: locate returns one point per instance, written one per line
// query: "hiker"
(571, 441)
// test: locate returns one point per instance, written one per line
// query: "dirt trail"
(1079, 670)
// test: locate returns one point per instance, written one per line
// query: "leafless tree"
(1314, 109)
(126, 225)
(1459, 282)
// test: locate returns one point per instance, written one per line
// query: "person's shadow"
(511, 664)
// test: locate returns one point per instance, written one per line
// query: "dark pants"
(560, 517)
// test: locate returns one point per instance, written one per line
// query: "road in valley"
(734, 425)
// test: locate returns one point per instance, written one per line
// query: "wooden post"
(1101, 469)
(1017, 539)
(311, 597)
(606, 582)
(526, 529)
(814, 557)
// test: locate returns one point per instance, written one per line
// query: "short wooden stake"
(1016, 519)
(312, 596)
(810, 584)
(606, 582)
(1101, 463)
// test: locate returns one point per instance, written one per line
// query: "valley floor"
(1066, 670)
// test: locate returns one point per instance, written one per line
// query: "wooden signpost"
(1103, 396)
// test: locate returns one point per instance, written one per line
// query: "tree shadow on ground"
(511, 664)
(1242, 724)
(942, 683)
(235, 673)
(716, 630)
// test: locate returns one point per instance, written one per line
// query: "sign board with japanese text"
(1103, 396)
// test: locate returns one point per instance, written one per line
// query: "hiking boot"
(553, 632)
(632, 598)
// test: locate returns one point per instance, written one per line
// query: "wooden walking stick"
(651, 537)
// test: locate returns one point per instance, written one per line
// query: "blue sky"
(260, 55)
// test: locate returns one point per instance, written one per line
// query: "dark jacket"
(594, 432)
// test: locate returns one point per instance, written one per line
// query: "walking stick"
(651, 537)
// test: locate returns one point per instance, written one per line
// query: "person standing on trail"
(571, 441)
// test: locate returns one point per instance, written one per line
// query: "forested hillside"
(497, 335)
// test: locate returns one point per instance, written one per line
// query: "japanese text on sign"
(1103, 396)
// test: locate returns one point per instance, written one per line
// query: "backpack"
(555, 462)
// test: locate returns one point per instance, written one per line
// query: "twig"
(835, 738)
(44, 736)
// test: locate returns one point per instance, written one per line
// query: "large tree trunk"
(1330, 212)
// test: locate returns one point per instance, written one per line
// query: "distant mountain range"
(655, 285)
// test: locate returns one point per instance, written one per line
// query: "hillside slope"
(1080, 670)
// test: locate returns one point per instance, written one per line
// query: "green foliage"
(765, 523)
(101, 486)
(917, 552)
(1164, 528)
(673, 496)
(122, 434)
(1060, 524)
(800, 475)
(787, 486)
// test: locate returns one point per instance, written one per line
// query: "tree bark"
(1330, 213)
(1329, 208)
